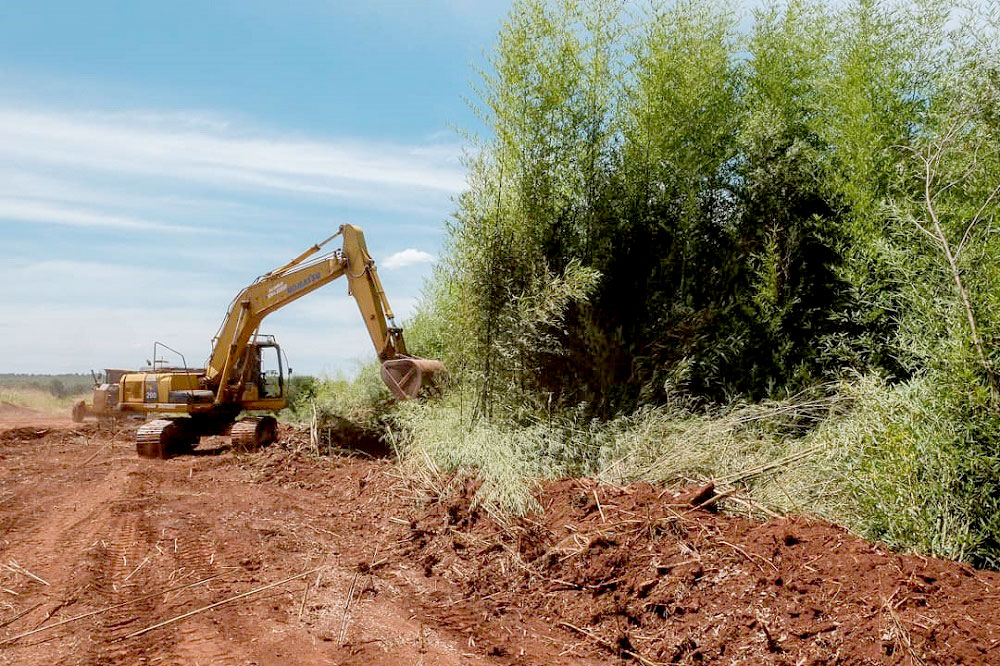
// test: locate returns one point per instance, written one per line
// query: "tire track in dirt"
(20, 492)
(110, 567)
(77, 543)
(90, 536)
(86, 526)
(150, 547)
(193, 556)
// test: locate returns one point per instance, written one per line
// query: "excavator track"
(252, 433)
(162, 438)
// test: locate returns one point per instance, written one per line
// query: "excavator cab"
(266, 375)
(271, 370)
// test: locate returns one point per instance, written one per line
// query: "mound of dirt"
(23, 435)
(639, 573)
(54, 435)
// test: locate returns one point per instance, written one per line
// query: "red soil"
(644, 575)
(602, 574)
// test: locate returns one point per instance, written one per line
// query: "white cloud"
(113, 230)
(407, 257)
(27, 210)
(134, 171)
(176, 147)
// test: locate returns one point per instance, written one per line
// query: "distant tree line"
(60, 386)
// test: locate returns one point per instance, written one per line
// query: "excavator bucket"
(406, 377)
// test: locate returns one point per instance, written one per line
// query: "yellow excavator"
(192, 402)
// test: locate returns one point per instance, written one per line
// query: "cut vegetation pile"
(639, 573)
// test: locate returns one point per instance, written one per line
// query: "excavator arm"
(403, 374)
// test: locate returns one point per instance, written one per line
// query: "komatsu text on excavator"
(192, 402)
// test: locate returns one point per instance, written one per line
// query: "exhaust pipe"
(407, 377)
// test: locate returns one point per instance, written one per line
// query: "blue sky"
(155, 157)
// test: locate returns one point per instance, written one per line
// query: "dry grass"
(38, 399)
(764, 452)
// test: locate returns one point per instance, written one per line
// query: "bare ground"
(388, 573)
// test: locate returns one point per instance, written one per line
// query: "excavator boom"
(403, 374)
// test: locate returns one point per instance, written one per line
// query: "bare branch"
(952, 257)
(975, 220)
(922, 228)
(929, 203)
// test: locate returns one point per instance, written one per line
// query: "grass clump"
(919, 466)
(758, 448)
(508, 460)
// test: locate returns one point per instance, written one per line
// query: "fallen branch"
(599, 508)
(141, 564)
(347, 608)
(743, 475)
(305, 594)
(19, 615)
(184, 616)
(751, 505)
(96, 453)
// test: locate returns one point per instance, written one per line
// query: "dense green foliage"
(696, 241)
(667, 203)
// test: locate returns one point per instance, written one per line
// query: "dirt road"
(100, 527)
(387, 574)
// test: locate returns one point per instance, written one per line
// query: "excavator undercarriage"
(165, 438)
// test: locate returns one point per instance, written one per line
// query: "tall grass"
(896, 462)
(359, 399)
(759, 448)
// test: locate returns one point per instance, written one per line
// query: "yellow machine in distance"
(193, 402)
